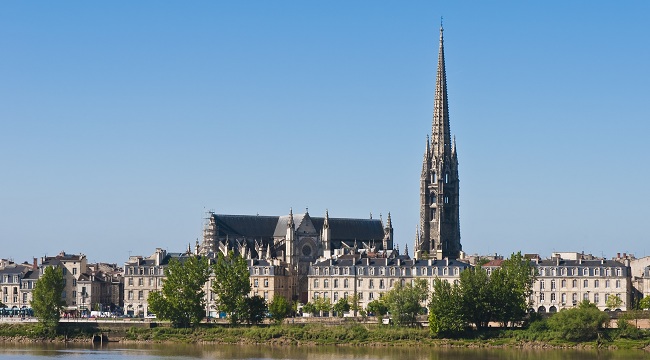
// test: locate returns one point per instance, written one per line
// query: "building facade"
(562, 284)
(370, 276)
(439, 234)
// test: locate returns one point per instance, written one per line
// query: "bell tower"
(439, 235)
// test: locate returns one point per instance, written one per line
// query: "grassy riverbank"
(318, 334)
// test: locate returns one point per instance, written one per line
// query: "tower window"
(446, 199)
(446, 178)
(433, 214)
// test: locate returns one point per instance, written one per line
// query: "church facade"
(294, 241)
(438, 236)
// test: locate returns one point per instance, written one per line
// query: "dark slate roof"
(246, 225)
(588, 263)
(352, 229)
(270, 226)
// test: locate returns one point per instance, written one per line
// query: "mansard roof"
(583, 263)
(256, 226)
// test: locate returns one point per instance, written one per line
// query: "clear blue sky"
(122, 122)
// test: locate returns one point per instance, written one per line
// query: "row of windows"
(141, 281)
(256, 283)
(574, 284)
(130, 294)
(553, 271)
(256, 270)
(574, 297)
(145, 271)
(424, 271)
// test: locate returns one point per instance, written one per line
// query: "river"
(116, 351)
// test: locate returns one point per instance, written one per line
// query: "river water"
(178, 352)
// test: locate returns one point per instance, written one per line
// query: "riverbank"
(367, 335)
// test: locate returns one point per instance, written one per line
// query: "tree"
(231, 285)
(355, 305)
(477, 296)
(181, 299)
(405, 301)
(512, 286)
(46, 298)
(255, 309)
(310, 308)
(644, 303)
(341, 306)
(377, 308)
(446, 317)
(613, 302)
(279, 308)
(580, 323)
(322, 305)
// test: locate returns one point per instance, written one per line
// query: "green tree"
(310, 308)
(341, 306)
(279, 308)
(613, 302)
(355, 305)
(46, 298)
(644, 304)
(323, 305)
(231, 285)
(405, 301)
(255, 309)
(477, 296)
(181, 299)
(512, 286)
(581, 323)
(446, 317)
(377, 308)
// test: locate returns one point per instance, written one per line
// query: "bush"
(581, 323)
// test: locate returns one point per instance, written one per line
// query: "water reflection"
(116, 351)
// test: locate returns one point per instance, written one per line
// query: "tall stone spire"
(439, 215)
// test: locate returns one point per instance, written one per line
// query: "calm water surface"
(178, 352)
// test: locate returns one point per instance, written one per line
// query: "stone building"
(16, 283)
(142, 276)
(370, 275)
(73, 265)
(563, 283)
(292, 241)
(439, 233)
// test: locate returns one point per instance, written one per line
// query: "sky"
(122, 123)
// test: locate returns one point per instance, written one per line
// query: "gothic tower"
(439, 234)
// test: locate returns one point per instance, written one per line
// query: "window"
(326, 283)
(444, 271)
(596, 283)
(316, 295)
(563, 298)
(371, 296)
(446, 178)
(74, 282)
(606, 283)
(140, 295)
(606, 297)
(266, 295)
(327, 271)
(372, 271)
(256, 283)
(618, 271)
(140, 282)
(346, 283)
(585, 284)
(381, 284)
(336, 283)
(552, 297)
(585, 296)
(382, 271)
(74, 293)
(336, 296)
(360, 271)
(372, 284)
(266, 282)
(266, 271)
(541, 297)
(574, 298)
(618, 283)
(574, 283)
(360, 296)
(63, 294)
(596, 271)
(336, 271)
(130, 281)
(130, 296)
(346, 271)
(541, 285)
(433, 214)
(360, 283)
(563, 283)
(391, 282)
(456, 271)
(596, 298)
(74, 271)
(585, 272)
(553, 284)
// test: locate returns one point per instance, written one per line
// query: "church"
(294, 240)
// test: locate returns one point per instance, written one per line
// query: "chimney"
(618, 255)
(35, 264)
